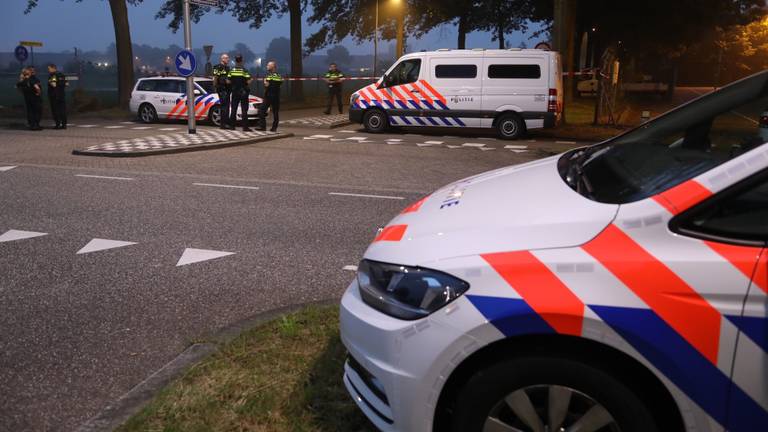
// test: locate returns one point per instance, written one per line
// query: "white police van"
(157, 98)
(509, 90)
(617, 287)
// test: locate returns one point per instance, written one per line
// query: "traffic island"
(329, 121)
(178, 143)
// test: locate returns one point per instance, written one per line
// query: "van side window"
(455, 71)
(147, 85)
(741, 216)
(508, 71)
(404, 73)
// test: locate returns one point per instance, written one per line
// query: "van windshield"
(673, 148)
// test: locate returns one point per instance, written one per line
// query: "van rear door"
(514, 81)
(456, 81)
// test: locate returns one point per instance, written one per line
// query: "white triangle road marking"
(98, 244)
(12, 235)
(7, 168)
(191, 256)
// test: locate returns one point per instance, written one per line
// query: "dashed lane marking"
(191, 256)
(515, 147)
(434, 142)
(127, 123)
(141, 128)
(169, 129)
(453, 146)
(366, 196)
(103, 177)
(347, 131)
(98, 244)
(473, 145)
(87, 126)
(7, 168)
(519, 151)
(114, 127)
(12, 235)
(350, 268)
(487, 148)
(226, 186)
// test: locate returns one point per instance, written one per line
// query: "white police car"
(617, 287)
(166, 98)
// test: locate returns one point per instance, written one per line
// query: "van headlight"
(408, 293)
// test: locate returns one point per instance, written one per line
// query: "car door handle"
(415, 91)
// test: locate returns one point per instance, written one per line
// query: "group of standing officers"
(233, 84)
(29, 85)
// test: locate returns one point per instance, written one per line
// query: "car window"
(742, 216)
(673, 148)
(170, 86)
(147, 85)
(207, 86)
(405, 72)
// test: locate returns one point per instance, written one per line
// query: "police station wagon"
(617, 287)
(509, 90)
(166, 98)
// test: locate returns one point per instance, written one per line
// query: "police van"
(157, 98)
(617, 287)
(510, 90)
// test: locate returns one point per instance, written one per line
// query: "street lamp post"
(376, 40)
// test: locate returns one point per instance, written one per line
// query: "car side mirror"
(198, 92)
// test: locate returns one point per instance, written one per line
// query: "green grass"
(281, 376)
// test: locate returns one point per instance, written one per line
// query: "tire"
(214, 115)
(489, 396)
(147, 113)
(510, 127)
(375, 121)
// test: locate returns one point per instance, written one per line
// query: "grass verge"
(284, 375)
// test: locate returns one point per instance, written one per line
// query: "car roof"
(174, 78)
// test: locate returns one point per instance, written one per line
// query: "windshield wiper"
(575, 176)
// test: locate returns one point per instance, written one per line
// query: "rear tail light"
(764, 120)
(552, 104)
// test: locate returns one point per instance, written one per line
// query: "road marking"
(7, 168)
(366, 196)
(113, 127)
(519, 151)
(473, 145)
(128, 123)
(320, 136)
(453, 146)
(565, 142)
(98, 244)
(169, 129)
(226, 186)
(350, 268)
(357, 138)
(191, 256)
(487, 148)
(425, 144)
(434, 142)
(103, 177)
(12, 235)
(346, 131)
(87, 126)
(141, 128)
(515, 147)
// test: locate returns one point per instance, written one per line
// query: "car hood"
(521, 207)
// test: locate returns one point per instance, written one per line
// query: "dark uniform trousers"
(334, 92)
(270, 101)
(225, 98)
(58, 109)
(239, 98)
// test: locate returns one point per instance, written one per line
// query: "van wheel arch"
(509, 125)
(645, 383)
(375, 120)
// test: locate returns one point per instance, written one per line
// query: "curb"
(131, 403)
(189, 148)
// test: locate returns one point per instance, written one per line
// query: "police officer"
(29, 86)
(220, 81)
(272, 84)
(57, 84)
(239, 79)
(334, 78)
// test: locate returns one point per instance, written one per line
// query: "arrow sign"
(21, 54)
(185, 63)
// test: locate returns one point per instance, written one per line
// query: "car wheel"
(147, 113)
(214, 115)
(548, 394)
(510, 127)
(375, 121)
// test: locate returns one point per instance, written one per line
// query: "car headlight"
(353, 99)
(407, 293)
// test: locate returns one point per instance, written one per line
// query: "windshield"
(673, 148)
(206, 85)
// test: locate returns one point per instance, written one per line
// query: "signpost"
(21, 54)
(208, 66)
(31, 45)
(186, 62)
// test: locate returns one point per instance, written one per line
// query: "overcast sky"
(64, 24)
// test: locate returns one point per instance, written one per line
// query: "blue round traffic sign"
(21, 54)
(185, 63)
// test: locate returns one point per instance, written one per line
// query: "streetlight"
(376, 36)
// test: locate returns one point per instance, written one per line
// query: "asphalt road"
(80, 330)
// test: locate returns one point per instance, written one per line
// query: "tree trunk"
(462, 41)
(297, 69)
(500, 35)
(124, 51)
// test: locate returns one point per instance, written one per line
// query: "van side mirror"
(197, 92)
(382, 82)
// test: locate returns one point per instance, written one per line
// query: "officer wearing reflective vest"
(239, 79)
(221, 83)
(334, 78)
(272, 84)
(57, 83)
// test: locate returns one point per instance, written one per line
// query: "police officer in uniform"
(221, 83)
(29, 86)
(272, 83)
(57, 84)
(239, 79)
(334, 78)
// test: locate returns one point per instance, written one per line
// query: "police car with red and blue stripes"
(617, 287)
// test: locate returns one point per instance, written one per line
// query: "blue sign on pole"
(185, 63)
(21, 54)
